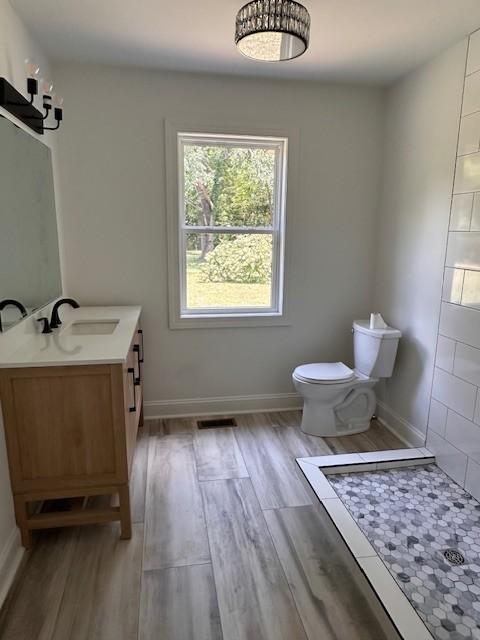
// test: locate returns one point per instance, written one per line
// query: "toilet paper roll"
(377, 322)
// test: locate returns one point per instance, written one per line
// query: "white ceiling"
(372, 41)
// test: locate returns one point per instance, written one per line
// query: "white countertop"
(61, 347)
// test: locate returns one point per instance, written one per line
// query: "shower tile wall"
(454, 422)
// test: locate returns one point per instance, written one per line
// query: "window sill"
(229, 322)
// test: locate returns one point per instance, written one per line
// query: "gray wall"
(421, 128)
(113, 197)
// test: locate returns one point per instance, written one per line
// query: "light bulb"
(57, 100)
(47, 86)
(32, 68)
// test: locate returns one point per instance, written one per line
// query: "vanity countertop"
(88, 335)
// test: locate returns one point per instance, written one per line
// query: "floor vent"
(216, 423)
(453, 556)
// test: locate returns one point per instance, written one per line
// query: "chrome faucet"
(12, 303)
(55, 321)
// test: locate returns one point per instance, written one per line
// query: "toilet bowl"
(335, 407)
(341, 401)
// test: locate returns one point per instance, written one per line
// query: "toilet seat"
(324, 373)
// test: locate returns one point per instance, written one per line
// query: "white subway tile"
(452, 285)
(476, 417)
(471, 289)
(473, 61)
(437, 420)
(475, 222)
(467, 173)
(464, 435)
(471, 95)
(467, 363)
(461, 214)
(448, 458)
(469, 137)
(463, 250)
(460, 323)
(456, 394)
(472, 480)
(445, 353)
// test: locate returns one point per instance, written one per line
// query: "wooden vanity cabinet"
(70, 434)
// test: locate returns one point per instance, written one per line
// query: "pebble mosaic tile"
(426, 529)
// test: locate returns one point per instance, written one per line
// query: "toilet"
(340, 401)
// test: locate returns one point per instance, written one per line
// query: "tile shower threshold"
(316, 469)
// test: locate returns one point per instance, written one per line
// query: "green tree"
(227, 186)
(245, 258)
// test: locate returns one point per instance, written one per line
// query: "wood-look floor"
(229, 542)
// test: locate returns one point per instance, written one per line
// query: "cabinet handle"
(136, 349)
(134, 408)
(140, 333)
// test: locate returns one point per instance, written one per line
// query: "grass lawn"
(221, 294)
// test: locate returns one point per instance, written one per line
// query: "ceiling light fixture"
(272, 30)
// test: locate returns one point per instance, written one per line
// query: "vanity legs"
(80, 510)
(125, 513)
(21, 515)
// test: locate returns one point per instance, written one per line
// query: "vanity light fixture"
(24, 109)
(16, 104)
(48, 95)
(57, 110)
(272, 30)
(32, 79)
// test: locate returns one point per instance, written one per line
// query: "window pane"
(228, 186)
(228, 271)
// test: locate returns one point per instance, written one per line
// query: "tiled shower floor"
(412, 515)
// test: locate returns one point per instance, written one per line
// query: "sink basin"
(92, 327)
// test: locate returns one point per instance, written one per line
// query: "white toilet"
(340, 401)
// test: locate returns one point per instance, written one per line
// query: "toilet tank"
(374, 350)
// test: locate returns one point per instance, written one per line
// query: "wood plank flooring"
(251, 585)
(180, 603)
(102, 592)
(218, 455)
(175, 532)
(229, 543)
(320, 573)
(272, 468)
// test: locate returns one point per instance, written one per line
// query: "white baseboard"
(10, 558)
(186, 407)
(405, 431)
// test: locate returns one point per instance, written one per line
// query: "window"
(231, 207)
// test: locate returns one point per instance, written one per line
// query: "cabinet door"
(62, 427)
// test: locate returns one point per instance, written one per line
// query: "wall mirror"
(29, 254)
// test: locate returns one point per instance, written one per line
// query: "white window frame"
(177, 134)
